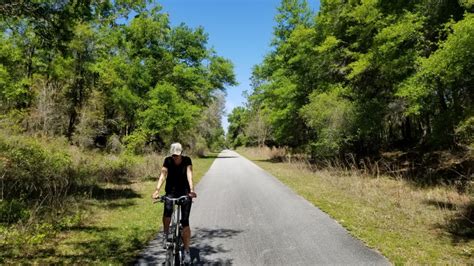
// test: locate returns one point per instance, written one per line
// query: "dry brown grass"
(150, 166)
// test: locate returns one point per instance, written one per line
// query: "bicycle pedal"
(167, 243)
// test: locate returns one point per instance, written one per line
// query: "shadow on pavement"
(203, 248)
(203, 252)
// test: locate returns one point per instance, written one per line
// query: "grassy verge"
(110, 227)
(408, 224)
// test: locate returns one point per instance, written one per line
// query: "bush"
(218, 145)
(149, 167)
(12, 211)
(114, 145)
(135, 142)
(199, 148)
(115, 169)
(91, 125)
(38, 177)
(240, 140)
(332, 117)
(32, 171)
(465, 131)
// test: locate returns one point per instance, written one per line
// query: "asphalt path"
(245, 216)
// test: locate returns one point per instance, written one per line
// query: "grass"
(111, 227)
(406, 223)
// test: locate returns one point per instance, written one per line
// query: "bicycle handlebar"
(164, 198)
(175, 199)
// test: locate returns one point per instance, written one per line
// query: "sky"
(239, 30)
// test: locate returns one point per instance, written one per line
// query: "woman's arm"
(161, 180)
(189, 173)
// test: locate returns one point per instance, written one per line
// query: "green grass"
(406, 223)
(110, 228)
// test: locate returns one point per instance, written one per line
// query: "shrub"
(116, 169)
(114, 145)
(135, 142)
(149, 166)
(91, 125)
(201, 147)
(331, 116)
(12, 211)
(32, 171)
(465, 131)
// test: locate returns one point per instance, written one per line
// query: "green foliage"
(221, 73)
(33, 172)
(332, 117)
(280, 92)
(405, 66)
(189, 45)
(13, 120)
(12, 211)
(14, 92)
(135, 142)
(237, 122)
(91, 124)
(114, 169)
(219, 143)
(167, 114)
(465, 131)
(451, 64)
(443, 85)
(468, 4)
(88, 77)
(85, 74)
(291, 13)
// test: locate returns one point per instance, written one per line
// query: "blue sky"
(239, 30)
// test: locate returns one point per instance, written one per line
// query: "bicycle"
(175, 248)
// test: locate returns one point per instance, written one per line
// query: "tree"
(366, 76)
(237, 123)
(210, 126)
(280, 86)
(258, 128)
(74, 68)
(442, 88)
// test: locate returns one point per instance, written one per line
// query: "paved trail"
(245, 216)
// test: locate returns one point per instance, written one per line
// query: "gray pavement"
(245, 216)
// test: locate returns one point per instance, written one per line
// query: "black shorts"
(185, 210)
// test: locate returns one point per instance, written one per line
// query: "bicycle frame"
(174, 253)
(175, 248)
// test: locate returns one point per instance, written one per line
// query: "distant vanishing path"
(245, 216)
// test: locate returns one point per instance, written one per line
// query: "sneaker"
(187, 257)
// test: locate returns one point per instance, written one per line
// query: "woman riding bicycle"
(177, 170)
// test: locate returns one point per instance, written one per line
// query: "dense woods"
(89, 87)
(104, 73)
(364, 77)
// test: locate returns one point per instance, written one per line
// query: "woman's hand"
(192, 194)
(155, 194)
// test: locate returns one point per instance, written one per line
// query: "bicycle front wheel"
(170, 258)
